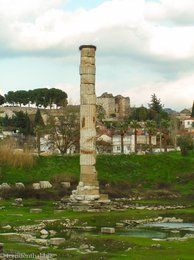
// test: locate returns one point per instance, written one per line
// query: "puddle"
(158, 230)
(149, 230)
(139, 232)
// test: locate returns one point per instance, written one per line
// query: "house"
(129, 142)
(188, 123)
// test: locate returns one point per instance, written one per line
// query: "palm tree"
(151, 130)
(135, 125)
(121, 128)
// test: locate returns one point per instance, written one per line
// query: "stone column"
(88, 188)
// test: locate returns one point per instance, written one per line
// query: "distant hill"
(169, 111)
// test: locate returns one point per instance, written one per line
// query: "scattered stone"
(88, 228)
(65, 184)
(44, 232)
(189, 236)
(18, 200)
(5, 186)
(19, 185)
(8, 227)
(35, 210)
(36, 186)
(84, 246)
(41, 241)
(119, 225)
(56, 241)
(45, 185)
(108, 230)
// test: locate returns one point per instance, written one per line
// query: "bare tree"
(64, 132)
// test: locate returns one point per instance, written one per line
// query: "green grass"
(115, 246)
(152, 171)
(140, 173)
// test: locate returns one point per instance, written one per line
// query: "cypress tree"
(38, 121)
(192, 111)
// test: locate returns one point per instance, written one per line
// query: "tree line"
(41, 97)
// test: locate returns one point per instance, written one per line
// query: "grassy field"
(104, 246)
(169, 171)
(123, 174)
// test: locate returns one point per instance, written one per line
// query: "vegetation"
(192, 111)
(115, 246)
(2, 100)
(43, 97)
(155, 111)
(137, 174)
(186, 143)
(20, 121)
(125, 174)
(11, 157)
(64, 132)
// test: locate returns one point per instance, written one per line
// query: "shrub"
(186, 143)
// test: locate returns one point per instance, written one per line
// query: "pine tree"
(155, 104)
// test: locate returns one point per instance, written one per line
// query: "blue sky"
(143, 47)
(87, 4)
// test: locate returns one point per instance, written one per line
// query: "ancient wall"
(119, 105)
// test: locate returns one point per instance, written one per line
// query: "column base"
(85, 193)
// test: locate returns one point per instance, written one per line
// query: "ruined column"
(88, 188)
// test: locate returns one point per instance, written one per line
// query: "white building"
(188, 123)
(129, 143)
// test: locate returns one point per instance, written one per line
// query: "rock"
(35, 210)
(44, 232)
(120, 225)
(18, 201)
(5, 186)
(88, 228)
(107, 230)
(56, 241)
(84, 246)
(19, 185)
(7, 227)
(36, 186)
(66, 184)
(189, 236)
(45, 184)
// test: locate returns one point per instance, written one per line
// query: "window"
(118, 148)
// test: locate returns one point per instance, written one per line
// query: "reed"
(11, 156)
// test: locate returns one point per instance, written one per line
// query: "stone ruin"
(88, 187)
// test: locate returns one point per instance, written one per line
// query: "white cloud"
(149, 38)
(176, 94)
(17, 9)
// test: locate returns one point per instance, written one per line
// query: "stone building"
(117, 106)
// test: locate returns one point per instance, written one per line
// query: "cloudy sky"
(143, 47)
